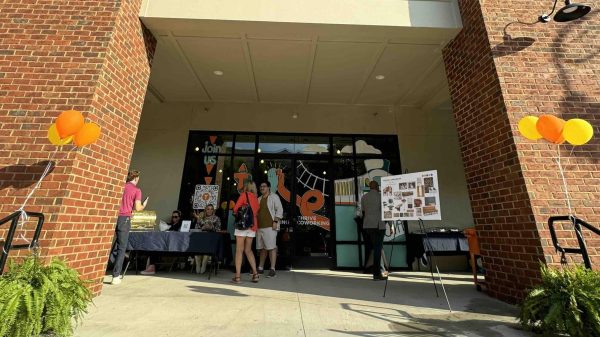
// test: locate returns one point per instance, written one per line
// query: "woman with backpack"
(246, 224)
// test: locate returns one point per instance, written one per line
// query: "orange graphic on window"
(309, 203)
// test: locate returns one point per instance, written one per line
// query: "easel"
(428, 248)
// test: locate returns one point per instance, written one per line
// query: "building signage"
(210, 150)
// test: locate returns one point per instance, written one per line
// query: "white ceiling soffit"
(296, 62)
(395, 13)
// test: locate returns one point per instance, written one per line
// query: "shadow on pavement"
(216, 291)
(406, 288)
(402, 323)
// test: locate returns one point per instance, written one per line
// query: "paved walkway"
(300, 303)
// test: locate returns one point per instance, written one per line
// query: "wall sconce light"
(570, 12)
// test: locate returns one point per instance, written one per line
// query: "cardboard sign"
(185, 226)
(411, 196)
(206, 195)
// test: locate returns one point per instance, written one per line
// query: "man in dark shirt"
(375, 227)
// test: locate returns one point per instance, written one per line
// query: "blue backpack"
(244, 217)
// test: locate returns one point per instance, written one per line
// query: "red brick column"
(93, 56)
(514, 184)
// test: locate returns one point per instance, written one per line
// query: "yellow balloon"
(527, 128)
(578, 131)
(55, 139)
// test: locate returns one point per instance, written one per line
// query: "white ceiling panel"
(301, 63)
(339, 69)
(172, 78)
(429, 86)
(207, 55)
(403, 66)
(281, 69)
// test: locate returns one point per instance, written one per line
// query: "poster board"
(206, 195)
(411, 196)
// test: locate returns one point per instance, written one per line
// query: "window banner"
(411, 196)
(210, 150)
(205, 195)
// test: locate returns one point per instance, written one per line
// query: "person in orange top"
(244, 238)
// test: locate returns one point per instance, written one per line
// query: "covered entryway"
(341, 83)
(219, 67)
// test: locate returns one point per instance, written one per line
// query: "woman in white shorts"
(244, 238)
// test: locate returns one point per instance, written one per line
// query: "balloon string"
(23, 217)
(564, 181)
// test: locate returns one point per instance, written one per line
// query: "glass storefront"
(319, 179)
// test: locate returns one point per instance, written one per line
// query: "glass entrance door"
(305, 190)
(280, 174)
(313, 193)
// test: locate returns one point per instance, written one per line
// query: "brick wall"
(93, 56)
(514, 184)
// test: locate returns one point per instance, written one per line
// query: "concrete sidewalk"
(299, 303)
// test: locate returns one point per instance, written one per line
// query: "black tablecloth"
(200, 243)
(443, 243)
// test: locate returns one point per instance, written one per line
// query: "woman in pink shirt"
(244, 238)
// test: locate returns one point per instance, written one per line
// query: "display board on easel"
(414, 196)
(411, 196)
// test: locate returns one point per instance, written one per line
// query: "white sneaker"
(116, 280)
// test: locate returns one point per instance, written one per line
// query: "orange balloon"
(69, 122)
(88, 134)
(551, 127)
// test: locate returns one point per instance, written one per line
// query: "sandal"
(236, 280)
(255, 278)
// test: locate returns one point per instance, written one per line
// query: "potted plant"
(41, 299)
(567, 302)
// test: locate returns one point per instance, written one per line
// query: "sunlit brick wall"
(499, 71)
(93, 56)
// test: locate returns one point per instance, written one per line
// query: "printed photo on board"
(387, 191)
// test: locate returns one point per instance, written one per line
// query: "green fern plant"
(37, 298)
(566, 302)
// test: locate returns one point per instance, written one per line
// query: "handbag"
(244, 217)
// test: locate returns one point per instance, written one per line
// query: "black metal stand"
(429, 248)
(391, 257)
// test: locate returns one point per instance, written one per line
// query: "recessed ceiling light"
(220, 171)
(197, 149)
(259, 150)
(324, 172)
(379, 77)
(218, 72)
(265, 171)
(262, 161)
(339, 151)
(295, 115)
